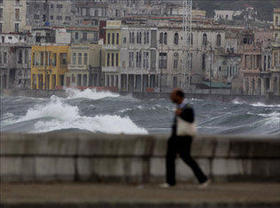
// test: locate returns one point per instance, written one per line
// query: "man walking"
(181, 144)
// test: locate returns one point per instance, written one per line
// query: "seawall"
(60, 156)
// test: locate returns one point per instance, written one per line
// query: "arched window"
(176, 39)
(204, 39)
(219, 40)
(165, 38)
(176, 58)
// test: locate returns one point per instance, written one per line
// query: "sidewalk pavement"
(80, 195)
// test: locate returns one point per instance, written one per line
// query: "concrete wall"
(61, 156)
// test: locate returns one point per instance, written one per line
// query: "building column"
(134, 84)
(278, 86)
(271, 84)
(119, 82)
(44, 81)
(127, 75)
(142, 84)
(263, 86)
(37, 81)
(149, 81)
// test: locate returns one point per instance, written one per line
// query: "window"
(54, 60)
(268, 62)
(138, 59)
(191, 38)
(96, 13)
(176, 57)
(80, 58)
(108, 59)
(5, 57)
(219, 40)
(84, 36)
(165, 38)
(0, 57)
(59, 6)
(117, 59)
(203, 61)
(17, 27)
(162, 60)
(41, 58)
(204, 40)
(109, 38)
(176, 38)
(277, 20)
(131, 59)
(51, 17)
(36, 16)
(1, 30)
(113, 38)
(74, 58)
(17, 14)
(146, 60)
(112, 59)
(20, 57)
(51, 6)
(1, 12)
(59, 17)
(67, 18)
(63, 59)
(275, 59)
(85, 58)
(146, 37)
(161, 38)
(133, 38)
(118, 38)
(76, 35)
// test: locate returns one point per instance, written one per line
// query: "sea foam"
(56, 115)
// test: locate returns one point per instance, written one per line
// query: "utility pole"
(187, 29)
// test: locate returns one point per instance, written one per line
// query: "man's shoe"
(165, 185)
(204, 185)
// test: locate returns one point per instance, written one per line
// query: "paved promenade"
(80, 195)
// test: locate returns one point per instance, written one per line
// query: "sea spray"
(89, 94)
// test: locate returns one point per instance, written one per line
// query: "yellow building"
(48, 66)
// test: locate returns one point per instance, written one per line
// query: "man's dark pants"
(182, 146)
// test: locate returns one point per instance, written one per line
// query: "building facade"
(12, 16)
(48, 66)
(84, 69)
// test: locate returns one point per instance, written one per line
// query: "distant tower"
(187, 29)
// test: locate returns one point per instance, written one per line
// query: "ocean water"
(108, 112)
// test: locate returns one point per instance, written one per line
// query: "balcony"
(112, 47)
(74, 67)
(110, 69)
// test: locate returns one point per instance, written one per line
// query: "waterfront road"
(91, 195)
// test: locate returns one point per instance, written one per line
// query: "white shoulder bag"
(185, 128)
